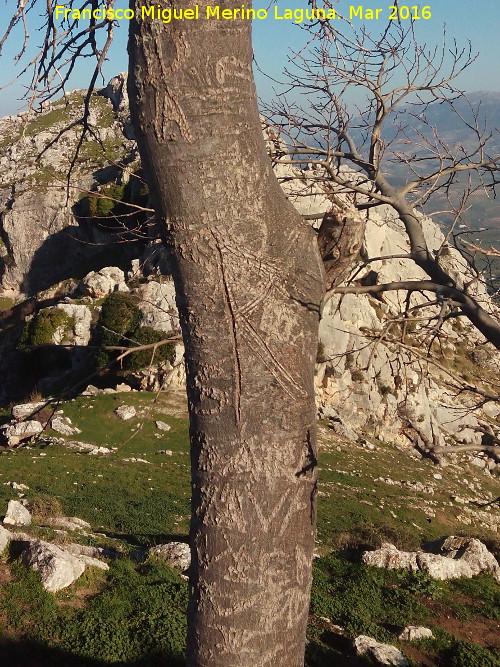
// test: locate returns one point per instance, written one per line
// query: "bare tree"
(399, 79)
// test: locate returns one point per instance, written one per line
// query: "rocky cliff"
(44, 231)
(376, 375)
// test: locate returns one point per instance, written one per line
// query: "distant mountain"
(454, 122)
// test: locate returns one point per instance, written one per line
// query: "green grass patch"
(135, 614)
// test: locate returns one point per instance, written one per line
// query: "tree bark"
(249, 284)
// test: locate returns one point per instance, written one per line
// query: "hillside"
(137, 496)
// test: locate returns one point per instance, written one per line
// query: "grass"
(6, 303)
(117, 497)
(135, 613)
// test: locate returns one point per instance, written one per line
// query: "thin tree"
(249, 283)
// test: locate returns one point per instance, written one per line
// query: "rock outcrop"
(382, 654)
(458, 557)
(412, 402)
(17, 514)
(44, 231)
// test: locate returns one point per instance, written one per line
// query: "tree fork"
(249, 284)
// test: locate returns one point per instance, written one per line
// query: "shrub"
(41, 329)
(43, 506)
(119, 317)
(118, 324)
(146, 336)
(99, 204)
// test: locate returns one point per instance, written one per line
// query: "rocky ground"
(108, 488)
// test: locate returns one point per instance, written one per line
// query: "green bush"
(140, 616)
(360, 598)
(101, 203)
(119, 324)
(40, 330)
(119, 318)
(146, 336)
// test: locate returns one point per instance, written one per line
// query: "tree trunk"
(249, 284)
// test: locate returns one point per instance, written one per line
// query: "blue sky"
(478, 22)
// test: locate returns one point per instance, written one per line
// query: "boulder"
(440, 567)
(84, 446)
(63, 425)
(17, 514)
(391, 558)
(23, 410)
(5, 538)
(68, 523)
(92, 391)
(162, 426)
(459, 557)
(177, 554)
(125, 412)
(383, 654)
(123, 387)
(81, 318)
(157, 304)
(90, 552)
(98, 284)
(15, 433)
(57, 567)
(412, 632)
(473, 552)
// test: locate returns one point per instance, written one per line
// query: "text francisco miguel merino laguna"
(168, 14)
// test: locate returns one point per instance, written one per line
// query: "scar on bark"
(311, 457)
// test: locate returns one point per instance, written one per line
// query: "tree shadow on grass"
(29, 653)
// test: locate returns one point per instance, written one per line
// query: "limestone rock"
(15, 433)
(5, 538)
(23, 410)
(84, 446)
(473, 552)
(91, 552)
(69, 523)
(412, 632)
(463, 557)
(57, 568)
(94, 562)
(98, 284)
(123, 387)
(383, 654)
(176, 554)
(157, 304)
(63, 425)
(162, 426)
(125, 412)
(91, 391)
(17, 514)
(390, 557)
(81, 318)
